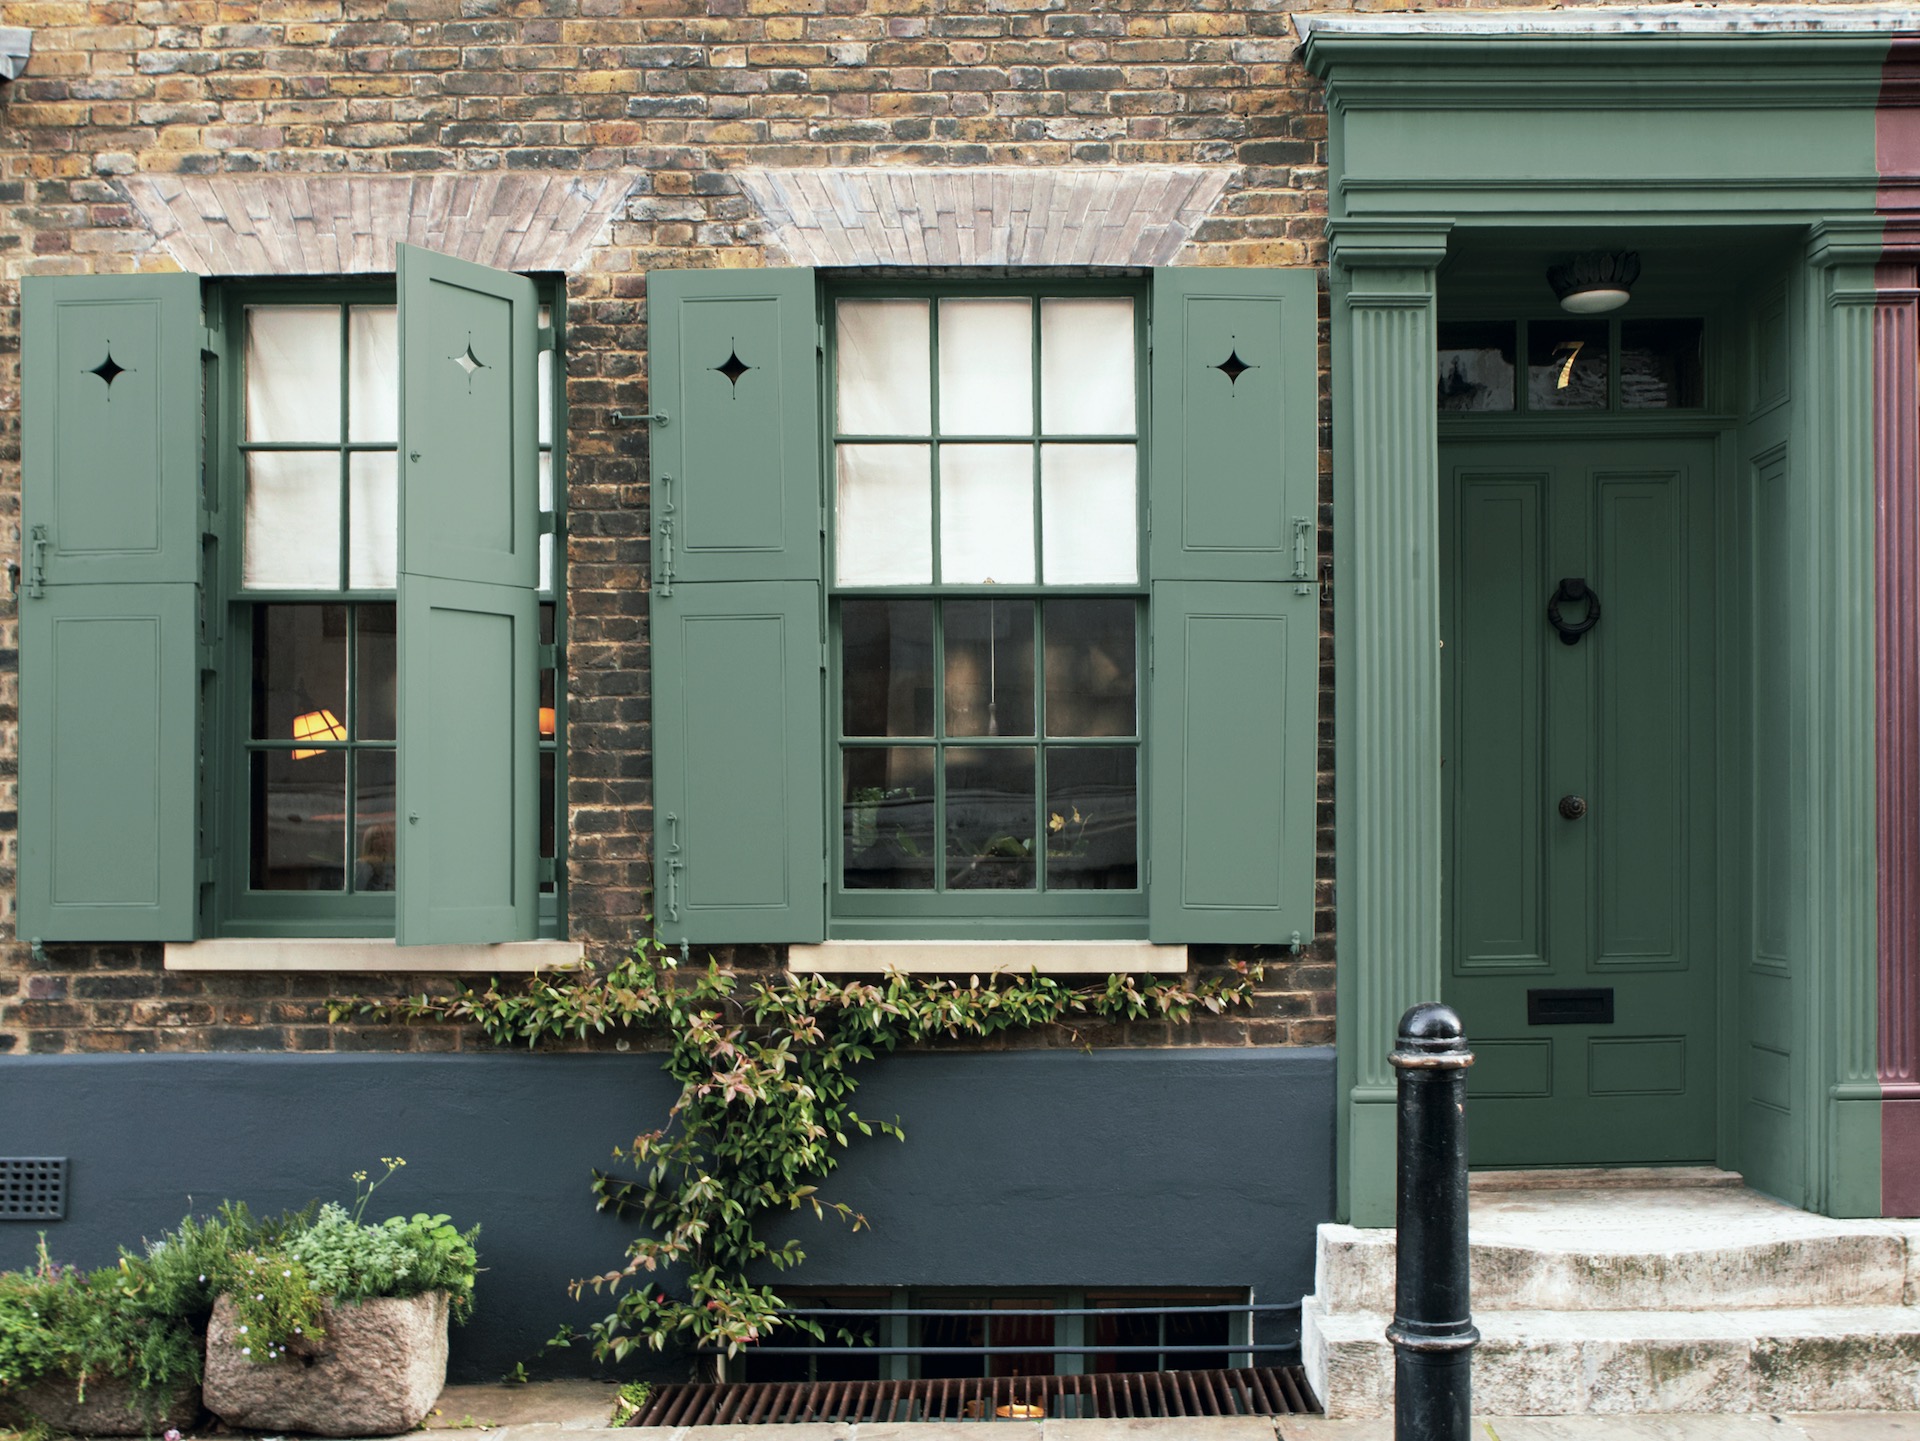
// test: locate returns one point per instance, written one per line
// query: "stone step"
(1628, 1250)
(1552, 1363)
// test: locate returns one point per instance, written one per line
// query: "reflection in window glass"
(375, 692)
(990, 819)
(299, 821)
(1567, 365)
(300, 672)
(1660, 365)
(373, 843)
(887, 667)
(989, 650)
(1092, 819)
(1476, 366)
(1090, 667)
(887, 819)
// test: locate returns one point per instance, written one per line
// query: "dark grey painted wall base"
(1174, 1167)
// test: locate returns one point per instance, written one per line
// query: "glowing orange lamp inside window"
(546, 722)
(317, 725)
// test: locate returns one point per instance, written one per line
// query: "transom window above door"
(987, 603)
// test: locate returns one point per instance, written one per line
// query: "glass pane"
(293, 521)
(882, 377)
(883, 517)
(548, 720)
(886, 659)
(1660, 365)
(1567, 365)
(547, 548)
(543, 381)
(300, 672)
(989, 649)
(1093, 810)
(373, 372)
(375, 691)
(298, 821)
(986, 514)
(293, 372)
(1091, 654)
(373, 788)
(1089, 521)
(990, 818)
(886, 825)
(549, 803)
(1476, 366)
(1086, 366)
(986, 367)
(373, 519)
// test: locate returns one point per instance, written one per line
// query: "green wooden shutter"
(109, 607)
(469, 714)
(736, 608)
(1232, 694)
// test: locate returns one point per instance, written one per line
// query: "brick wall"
(685, 93)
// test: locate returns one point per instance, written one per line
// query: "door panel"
(1620, 898)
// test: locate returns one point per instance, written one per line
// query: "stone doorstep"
(1553, 1363)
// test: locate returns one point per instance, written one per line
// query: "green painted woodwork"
(108, 759)
(1233, 713)
(466, 807)
(111, 457)
(109, 608)
(1234, 477)
(1625, 896)
(739, 759)
(736, 478)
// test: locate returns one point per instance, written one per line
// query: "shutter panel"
(109, 607)
(736, 608)
(736, 490)
(738, 763)
(1232, 688)
(469, 717)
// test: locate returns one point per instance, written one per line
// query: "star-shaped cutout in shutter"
(468, 361)
(109, 369)
(1233, 367)
(733, 367)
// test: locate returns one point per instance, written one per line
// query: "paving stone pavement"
(578, 1411)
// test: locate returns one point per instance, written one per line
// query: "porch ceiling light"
(1595, 282)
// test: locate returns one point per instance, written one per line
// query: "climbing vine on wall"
(767, 1075)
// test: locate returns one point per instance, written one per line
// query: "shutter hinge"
(674, 866)
(37, 543)
(665, 528)
(1302, 555)
(548, 656)
(545, 337)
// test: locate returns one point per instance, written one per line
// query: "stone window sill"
(367, 954)
(1053, 958)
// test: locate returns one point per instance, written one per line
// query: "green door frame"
(1443, 126)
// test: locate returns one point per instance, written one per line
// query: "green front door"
(1579, 796)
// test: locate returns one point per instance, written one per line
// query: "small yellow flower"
(1054, 823)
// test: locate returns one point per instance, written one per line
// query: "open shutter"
(469, 716)
(109, 608)
(1232, 692)
(736, 608)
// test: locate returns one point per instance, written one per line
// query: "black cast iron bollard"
(1433, 1333)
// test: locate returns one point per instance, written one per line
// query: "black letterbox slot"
(1591, 1007)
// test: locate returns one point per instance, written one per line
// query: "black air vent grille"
(33, 1188)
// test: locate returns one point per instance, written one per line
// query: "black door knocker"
(1573, 590)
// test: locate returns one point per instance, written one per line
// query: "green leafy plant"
(631, 1401)
(767, 1075)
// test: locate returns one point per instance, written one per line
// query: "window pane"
(373, 519)
(293, 372)
(986, 514)
(1660, 365)
(1567, 365)
(881, 371)
(373, 372)
(989, 648)
(887, 839)
(1086, 366)
(886, 658)
(990, 819)
(375, 693)
(986, 367)
(1093, 810)
(549, 803)
(884, 516)
(293, 521)
(546, 508)
(299, 821)
(543, 374)
(300, 672)
(373, 788)
(1476, 366)
(1088, 515)
(1091, 654)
